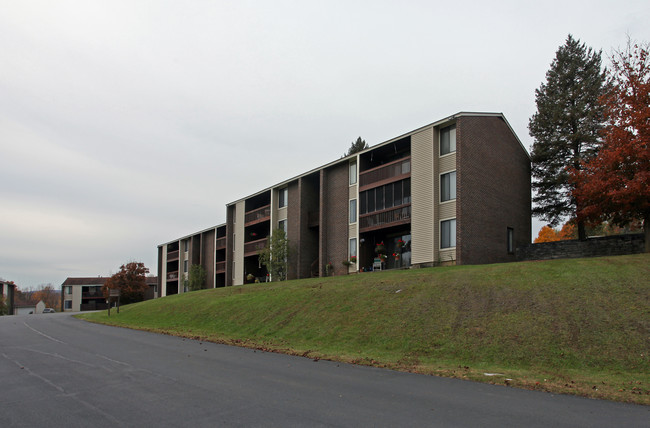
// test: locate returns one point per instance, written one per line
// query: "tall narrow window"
(186, 246)
(282, 224)
(353, 210)
(448, 140)
(185, 266)
(448, 186)
(283, 197)
(353, 173)
(448, 233)
(511, 240)
(353, 247)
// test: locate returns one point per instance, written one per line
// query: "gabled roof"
(96, 280)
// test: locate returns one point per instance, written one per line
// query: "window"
(67, 304)
(447, 140)
(448, 233)
(283, 197)
(407, 191)
(511, 240)
(353, 247)
(185, 266)
(353, 210)
(282, 224)
(448, 186)
(353, 173)
(68, 289)
(186, 246)
(234, 241)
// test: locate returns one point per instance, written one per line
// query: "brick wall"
(493, 190)
(334, 217)
(616, 245)
(305, 247)
(293, 229)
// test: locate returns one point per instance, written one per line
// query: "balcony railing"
(253, 247)
(220, 267)
(172, 276)
(95, 295)
(221, 243)
(258, 215)
(393, 171)
(386, 218)
(172, 255)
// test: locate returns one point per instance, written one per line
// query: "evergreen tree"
(565, 128)
(356, 147)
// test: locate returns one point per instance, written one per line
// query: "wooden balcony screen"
(221, 243)
(393, 171)
(386, 218)
(172, 255)
(220, 267)
(253, 247)
(258, 215)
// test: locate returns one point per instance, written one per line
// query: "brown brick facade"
(334, 217)
(493, 190)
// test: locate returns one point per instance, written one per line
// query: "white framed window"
(353, 211)
(184, 265)
(448, 233)
(67, 304)
(282, 224)
(283, 197)
(353, 247)
(510, 240)
(448, 186)
(353, 173)
(186, 246)
(68, 289)
(448, 140)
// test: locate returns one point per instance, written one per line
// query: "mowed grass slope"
(578, 326)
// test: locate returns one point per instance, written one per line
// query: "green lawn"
(578, 326)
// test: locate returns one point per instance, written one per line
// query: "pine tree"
(565, 128)
(356, 147)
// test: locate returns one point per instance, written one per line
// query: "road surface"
(59, 371)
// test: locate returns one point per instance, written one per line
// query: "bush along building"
(456, 191)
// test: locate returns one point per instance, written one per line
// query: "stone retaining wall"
(616, 245)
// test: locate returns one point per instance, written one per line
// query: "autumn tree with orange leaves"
(130, 280)
(615, 185)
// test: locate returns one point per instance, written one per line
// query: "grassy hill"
(579, 326)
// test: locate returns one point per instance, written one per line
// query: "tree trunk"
(582, 232)
(646, 232)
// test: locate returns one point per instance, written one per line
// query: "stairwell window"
(283, 197)
(511, 240)
(353, 247)
(447, 140)
(448, 186)
(448, 233)
(353, 211)
(353, 173)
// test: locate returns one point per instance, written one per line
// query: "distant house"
(29, 308)
(8, 290)
(85, 294)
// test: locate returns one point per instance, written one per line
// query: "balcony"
(386, 218)
(258, 215)
(254, 247)
(172, 255)
(172, 276)
(221, 243)
(92, 295)
(220, 267)
(384, 174)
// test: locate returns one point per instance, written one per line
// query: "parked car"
(48, 311)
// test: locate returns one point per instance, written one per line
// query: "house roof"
(100, 280)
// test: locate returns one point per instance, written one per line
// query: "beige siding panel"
(240, 214)
(447, 163)
(163, 281)
(422, 197)
(447, 255)
(447, 210)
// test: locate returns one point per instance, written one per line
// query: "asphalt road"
(58, 371)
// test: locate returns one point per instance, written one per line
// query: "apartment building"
(456, 191)
(85, 294)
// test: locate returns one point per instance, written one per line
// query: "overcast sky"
(126, 124)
